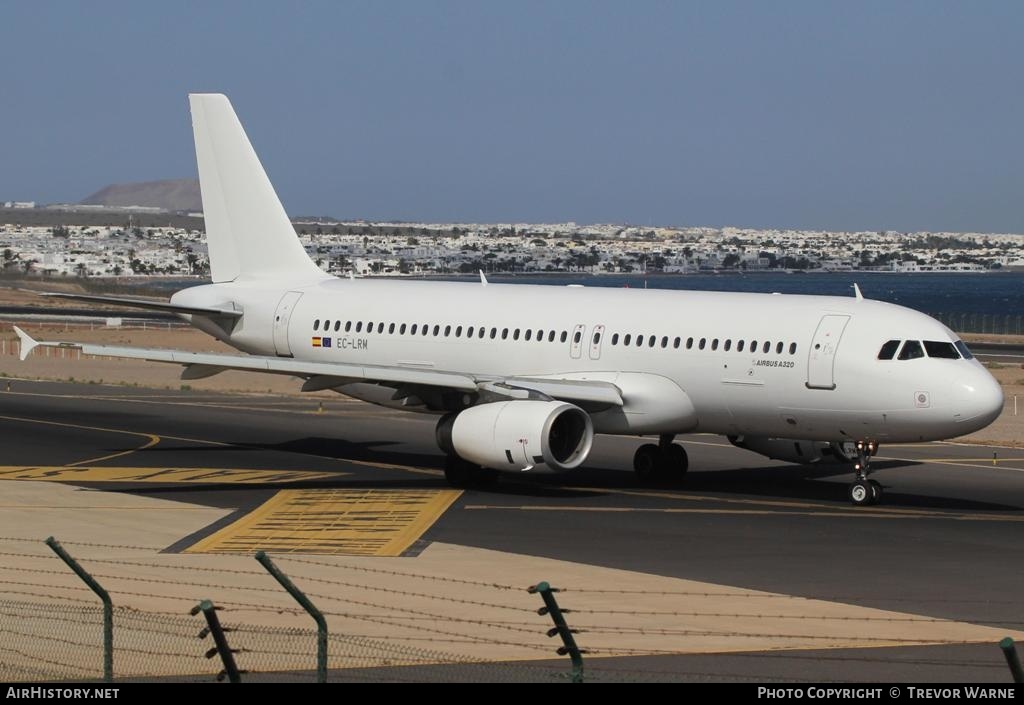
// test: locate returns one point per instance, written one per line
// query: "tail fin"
(247, 230)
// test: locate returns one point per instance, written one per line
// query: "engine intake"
(519, 435)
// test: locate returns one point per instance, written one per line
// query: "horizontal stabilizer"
(28, 344)
(147, 304)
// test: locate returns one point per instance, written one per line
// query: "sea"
(967, 301)
(992, 293)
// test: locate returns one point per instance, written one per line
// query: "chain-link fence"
(389, 624)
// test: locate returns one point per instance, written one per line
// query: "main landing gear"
(864, 492)
(664, 461)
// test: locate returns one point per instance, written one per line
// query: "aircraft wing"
(325, 375)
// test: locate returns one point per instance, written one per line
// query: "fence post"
(561, 628)
(1012, 660)
(108, 606)
(317, 615)
(213, 626)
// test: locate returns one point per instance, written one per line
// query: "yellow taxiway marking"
(873, 513)
(240, 476)
(153, 440)
(338, 522)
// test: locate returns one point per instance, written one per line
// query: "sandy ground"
(55, 364)
(466, 603)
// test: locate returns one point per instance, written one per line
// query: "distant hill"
(172, 195)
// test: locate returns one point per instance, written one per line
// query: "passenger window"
(627, 339)
(564, 336)
(494, 333)
(664, 341)
(469, 332)
(739, 345)
(551, 336)
(578, 337)
(675, 343)
(529, 334)
(447, 331)
(359, 326)
(888, 350)
(540, 335)
(413, 329)
(639, 340)
(369, 327)
(702, 343)
(348, 326)
(766, 347)
(380, 327)
(911, 350)
(481, 333)
(650, 341)
(504, 333)
(714, 344)
(437, 329)
(615, 339)
(401, 329)
(316, 324)
(778, 348)
(337, 326)
(597, 338)
(941, 349)
(689, 343)
(728, 345)
(426, 329)
(792, 348)
(964, 350)
(753, 346)
(458, 332)
(391, 329)
(515, 335)
(327, 325)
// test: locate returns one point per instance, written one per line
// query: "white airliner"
(524, 376)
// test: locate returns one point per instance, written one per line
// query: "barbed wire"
(382, 571)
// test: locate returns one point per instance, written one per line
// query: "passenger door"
(821, 357)
(281, 317)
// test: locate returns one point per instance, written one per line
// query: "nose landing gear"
(865, 492)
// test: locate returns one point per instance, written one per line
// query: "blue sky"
(866, 115)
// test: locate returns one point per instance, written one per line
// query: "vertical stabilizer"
(247, 230)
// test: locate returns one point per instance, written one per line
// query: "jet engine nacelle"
(519, 435)
(797, 451)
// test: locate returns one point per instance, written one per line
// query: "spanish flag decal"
(316, 342)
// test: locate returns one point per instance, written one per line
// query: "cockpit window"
(936, 348)
(911, 350)
(964, 350)
(888, 350)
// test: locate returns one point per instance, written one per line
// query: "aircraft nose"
(977, 399)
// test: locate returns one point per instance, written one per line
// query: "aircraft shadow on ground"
(825, 483)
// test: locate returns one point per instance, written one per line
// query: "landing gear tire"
(876, 491)
(677, 460)
(660, 462)
(862, 494)
(646, 462)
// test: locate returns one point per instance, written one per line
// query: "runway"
(336, 477)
